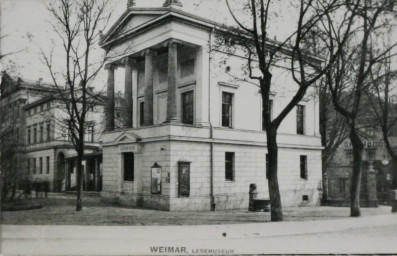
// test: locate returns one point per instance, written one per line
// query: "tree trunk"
(358, 148)
(80, 155)
(394, 172)
(276, 212)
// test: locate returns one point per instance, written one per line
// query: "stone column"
(128, 92)
(172, 76)
(110, 99)
(148, 105)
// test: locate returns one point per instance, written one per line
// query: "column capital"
(149, 52)
(110, 66)
(172, 42)
(129, 61)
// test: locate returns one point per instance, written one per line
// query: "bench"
(261, 205)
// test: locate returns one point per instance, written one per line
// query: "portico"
(153, 78)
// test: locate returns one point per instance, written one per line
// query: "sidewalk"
(283, 237)
(59, 209)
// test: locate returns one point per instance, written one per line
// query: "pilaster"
(172, 78)
(110, 98)
(148, 106)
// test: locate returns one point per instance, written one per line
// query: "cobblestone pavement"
(59, 209)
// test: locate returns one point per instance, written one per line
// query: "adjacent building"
(377, 170)
(34, 122)
(193, 136)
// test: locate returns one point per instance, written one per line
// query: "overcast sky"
(20, 18)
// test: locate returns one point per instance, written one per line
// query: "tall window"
(35, 135)
(34, 166)
(89, 133)
(128, 166)
(48, 165)
(303, 167)
(300, 119)
(187, 107)
(41, 133)
(28, 138)
(48, 132)
(28, 165)
(271, 114)
(141, 112)
(227, 108)
(229, 165)
(41, 165)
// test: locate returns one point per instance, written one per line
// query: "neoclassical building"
(193, 137)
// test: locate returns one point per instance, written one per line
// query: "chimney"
(172, 3)
(39, 81)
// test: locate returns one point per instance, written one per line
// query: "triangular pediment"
(128, 137)
(134, 22)
(130, 21)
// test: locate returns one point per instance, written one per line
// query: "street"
(369, 234)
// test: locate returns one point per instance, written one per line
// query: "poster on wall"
(156, 179)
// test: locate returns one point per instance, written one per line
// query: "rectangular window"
(229, 166)
(41, 108)
(28, 165)
(300, 119)
(35, 135)
(128, 166)
(349, 157)
(48, 105)
(48, 165)
(187, 107)
(34, 166)
(41, 133)
(89, 134)
(41, 166)
(141, 112)
(227, 108)
(17, 135)
(303, 167)
(48, 132)
(28, 138)
(271, 114)
(267, 166)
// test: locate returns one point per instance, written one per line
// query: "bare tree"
(350, 74)
(78, 25)
(263, 54)
(333, 130)
(381, 97)
(11, 157)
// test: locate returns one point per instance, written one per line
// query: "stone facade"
(208, 156)
(34, 118)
